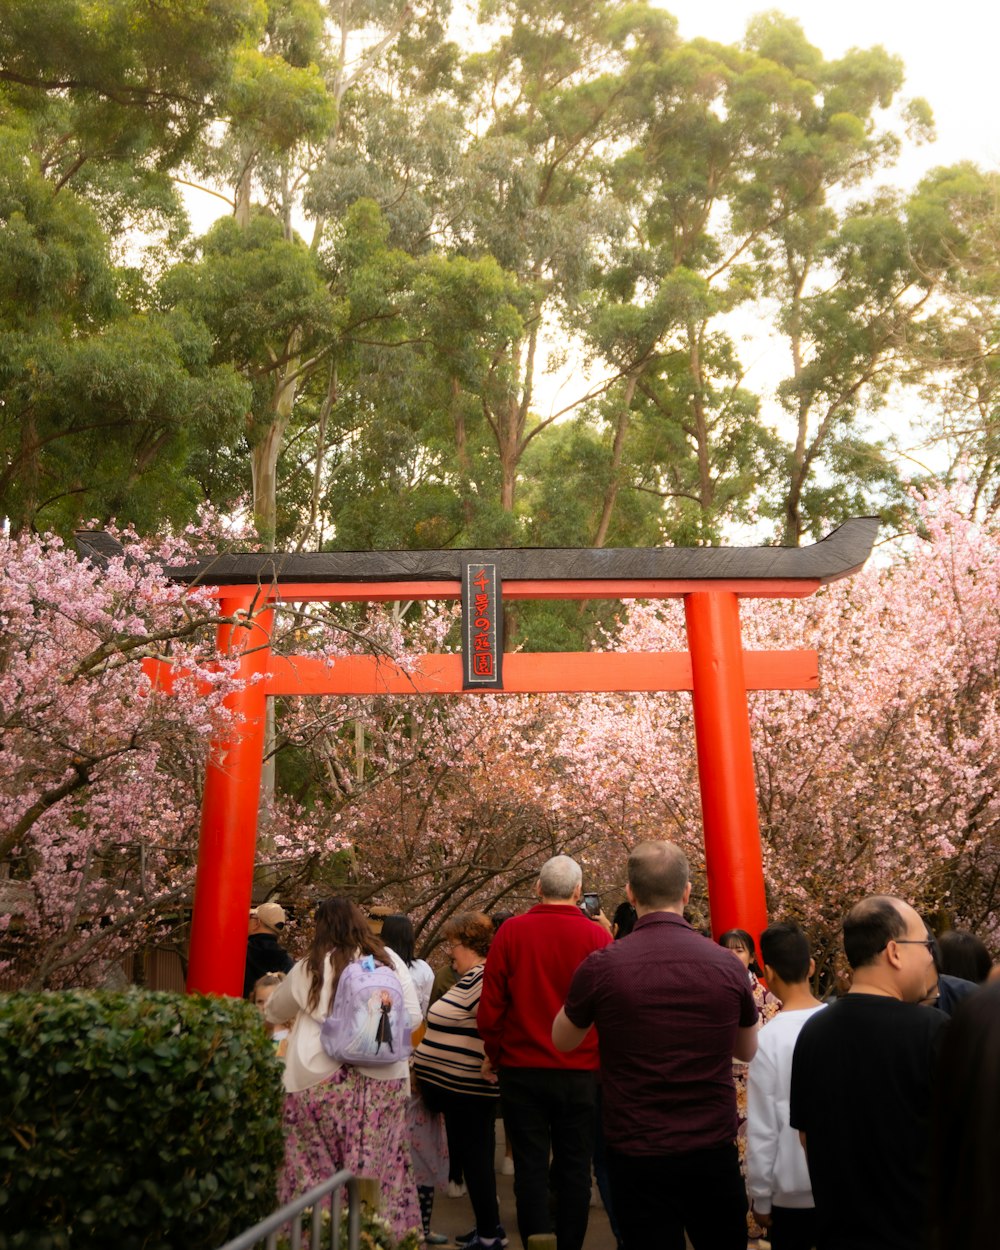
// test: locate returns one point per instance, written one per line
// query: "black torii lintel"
(840, 554)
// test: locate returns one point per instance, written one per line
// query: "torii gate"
(715, 668)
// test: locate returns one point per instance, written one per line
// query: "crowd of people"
(710, 1093)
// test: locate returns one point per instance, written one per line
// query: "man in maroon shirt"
(672, 1011)
(548, 1098)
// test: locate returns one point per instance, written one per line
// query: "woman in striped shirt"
(448, 1064)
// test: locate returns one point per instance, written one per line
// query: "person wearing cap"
(263, 952)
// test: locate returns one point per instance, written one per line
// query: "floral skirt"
(740, 1070)
(357, 1123)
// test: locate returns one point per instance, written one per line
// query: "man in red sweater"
(548, 1097)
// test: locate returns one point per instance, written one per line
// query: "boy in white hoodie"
(777, 1175)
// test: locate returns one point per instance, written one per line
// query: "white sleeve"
(423, 981)
(762, 1129)
(289, 997)
(414, 1018)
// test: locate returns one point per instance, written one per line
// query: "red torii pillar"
(228, 839)
(715, 669)
(733, 859)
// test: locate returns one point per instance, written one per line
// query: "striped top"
(451, 1053)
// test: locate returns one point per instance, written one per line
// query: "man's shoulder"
(860, 1016)
(511, 934)
(675, 950)
(601, 957)
(589, 935)
(822, 1024)
(267, 945)
(782, 1031)
(706, 958)
(568, 924)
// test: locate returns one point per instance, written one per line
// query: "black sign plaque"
(482, 627)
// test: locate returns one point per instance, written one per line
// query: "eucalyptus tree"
(735, 193)
(956, 360)
(680, 425)
(103, 400)
(546, 101)
(288, 130)
(841, 272)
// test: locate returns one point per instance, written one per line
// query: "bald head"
(658, 876)
(869, 927)
(889, 947)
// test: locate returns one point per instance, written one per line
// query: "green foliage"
(135, 1120)
(123, 79)
(279, 103)
(101, 406)
(295, 30)
(254, 289)
(585, 172)
(376, 1233)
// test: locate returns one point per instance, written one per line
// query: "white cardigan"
(306, 1062)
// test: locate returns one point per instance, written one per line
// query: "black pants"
(793, 1228)
(550, 1109)
(601, 1170)
(658, 1197)
(471, 1125)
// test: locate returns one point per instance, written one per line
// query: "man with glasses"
(861, 1085)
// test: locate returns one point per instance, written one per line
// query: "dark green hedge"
(134, 1121)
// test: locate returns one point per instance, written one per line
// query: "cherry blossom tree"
(100, 773)
(883, 780)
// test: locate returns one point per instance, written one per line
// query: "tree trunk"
(792, 530)
(26, 475)
(617, 453)
(462, 452)
(264, 466)
(264, 460)
(508, 460)
(706, 488)
(241, 211)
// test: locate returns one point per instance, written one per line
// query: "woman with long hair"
(742, 945)
(341, 1115)
(397, 934)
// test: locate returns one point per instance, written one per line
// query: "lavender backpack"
(367, 1024)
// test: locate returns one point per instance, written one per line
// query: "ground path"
(453, 1216)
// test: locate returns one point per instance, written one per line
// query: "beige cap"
(270, 915)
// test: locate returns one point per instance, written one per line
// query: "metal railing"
(288, 1219)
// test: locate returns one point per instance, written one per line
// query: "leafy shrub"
(134, 1121)
(376, 1232)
